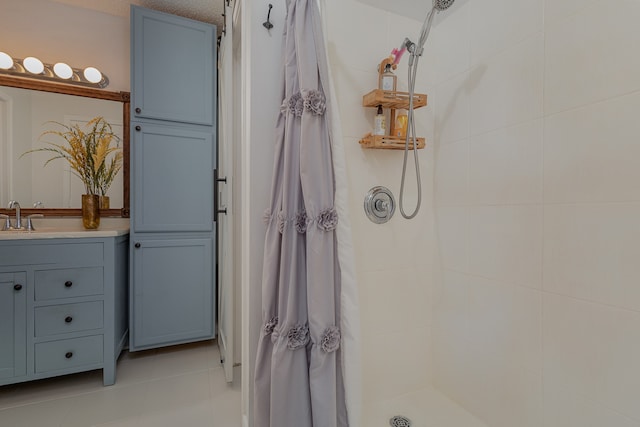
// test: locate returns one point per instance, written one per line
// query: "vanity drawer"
(66, 354)
(63, 318)
(43, 252)
(68, 282)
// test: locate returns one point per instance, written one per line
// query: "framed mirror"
(27, 108)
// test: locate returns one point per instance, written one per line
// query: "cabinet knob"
(68, 319)
(68, 355)
(137, 245)
(138, 110)
(68, 284)
(17, 287)
(138, 128)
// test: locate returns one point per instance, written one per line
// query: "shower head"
(441, 5)
(416, 49)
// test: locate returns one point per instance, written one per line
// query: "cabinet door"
(13, 325)
(172, 292)
(172, 179)
(173, 67)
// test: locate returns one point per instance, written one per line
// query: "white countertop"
(65, 228)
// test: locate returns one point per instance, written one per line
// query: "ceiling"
(202, 10)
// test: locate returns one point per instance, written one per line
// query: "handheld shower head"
(416, 49)
(441, 5)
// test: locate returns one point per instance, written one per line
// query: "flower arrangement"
(90, 153)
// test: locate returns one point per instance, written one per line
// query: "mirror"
(25, 108)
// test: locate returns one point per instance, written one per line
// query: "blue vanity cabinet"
(174, 75)
(173, 157)
(173, 294)
(13, 325)
(63, 306)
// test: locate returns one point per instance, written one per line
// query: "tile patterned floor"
(181, 386)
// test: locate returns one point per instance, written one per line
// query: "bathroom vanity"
(63, 301)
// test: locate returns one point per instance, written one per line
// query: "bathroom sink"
(68, 228)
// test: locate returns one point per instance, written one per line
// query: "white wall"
(56, 32)
(259, 95)
(537, 317)
(394, 261)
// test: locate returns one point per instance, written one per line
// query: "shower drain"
(400, 421)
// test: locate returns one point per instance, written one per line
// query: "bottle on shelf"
(402, 119)
(388, 80)
(380, 125)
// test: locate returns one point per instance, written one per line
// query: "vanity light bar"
(32, 67)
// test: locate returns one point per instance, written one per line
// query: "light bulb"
(33, 65)
(62, 70)
(92, 75)
(6, 62)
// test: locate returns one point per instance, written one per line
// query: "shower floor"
(425, 408)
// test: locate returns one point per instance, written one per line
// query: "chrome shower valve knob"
(379, 205)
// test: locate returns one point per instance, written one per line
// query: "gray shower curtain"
(298, 376)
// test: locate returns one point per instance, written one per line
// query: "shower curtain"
(299, 372)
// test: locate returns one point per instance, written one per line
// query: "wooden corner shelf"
(393, 100)
(388, 142)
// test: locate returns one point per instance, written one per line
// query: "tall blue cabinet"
(173, 157)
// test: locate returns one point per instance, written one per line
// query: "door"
(13, 325)
(173, 299)
(173, 67)
(226, 287)
(172, 178)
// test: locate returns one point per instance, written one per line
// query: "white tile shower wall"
(536, 318)
(592, 55)
(394, 261)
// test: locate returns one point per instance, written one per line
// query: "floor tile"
(175, 386)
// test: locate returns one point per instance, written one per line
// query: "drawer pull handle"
(68, 355)
(138, 128)
(17, 287)
(137, 245)
(68, 319)
(68, 284)
(138, 110)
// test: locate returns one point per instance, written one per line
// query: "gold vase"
(90, 211)
(104, 202)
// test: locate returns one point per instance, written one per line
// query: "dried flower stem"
(90, 154)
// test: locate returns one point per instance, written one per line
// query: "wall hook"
(267, 24)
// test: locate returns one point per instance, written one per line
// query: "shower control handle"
(379, 205)
(382, 205)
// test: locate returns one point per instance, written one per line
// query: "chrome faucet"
(15, 205)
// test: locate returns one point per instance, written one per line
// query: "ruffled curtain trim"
(311, 101)
(326, 220)
(270, 325)
(330, 339)
(298, 336)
